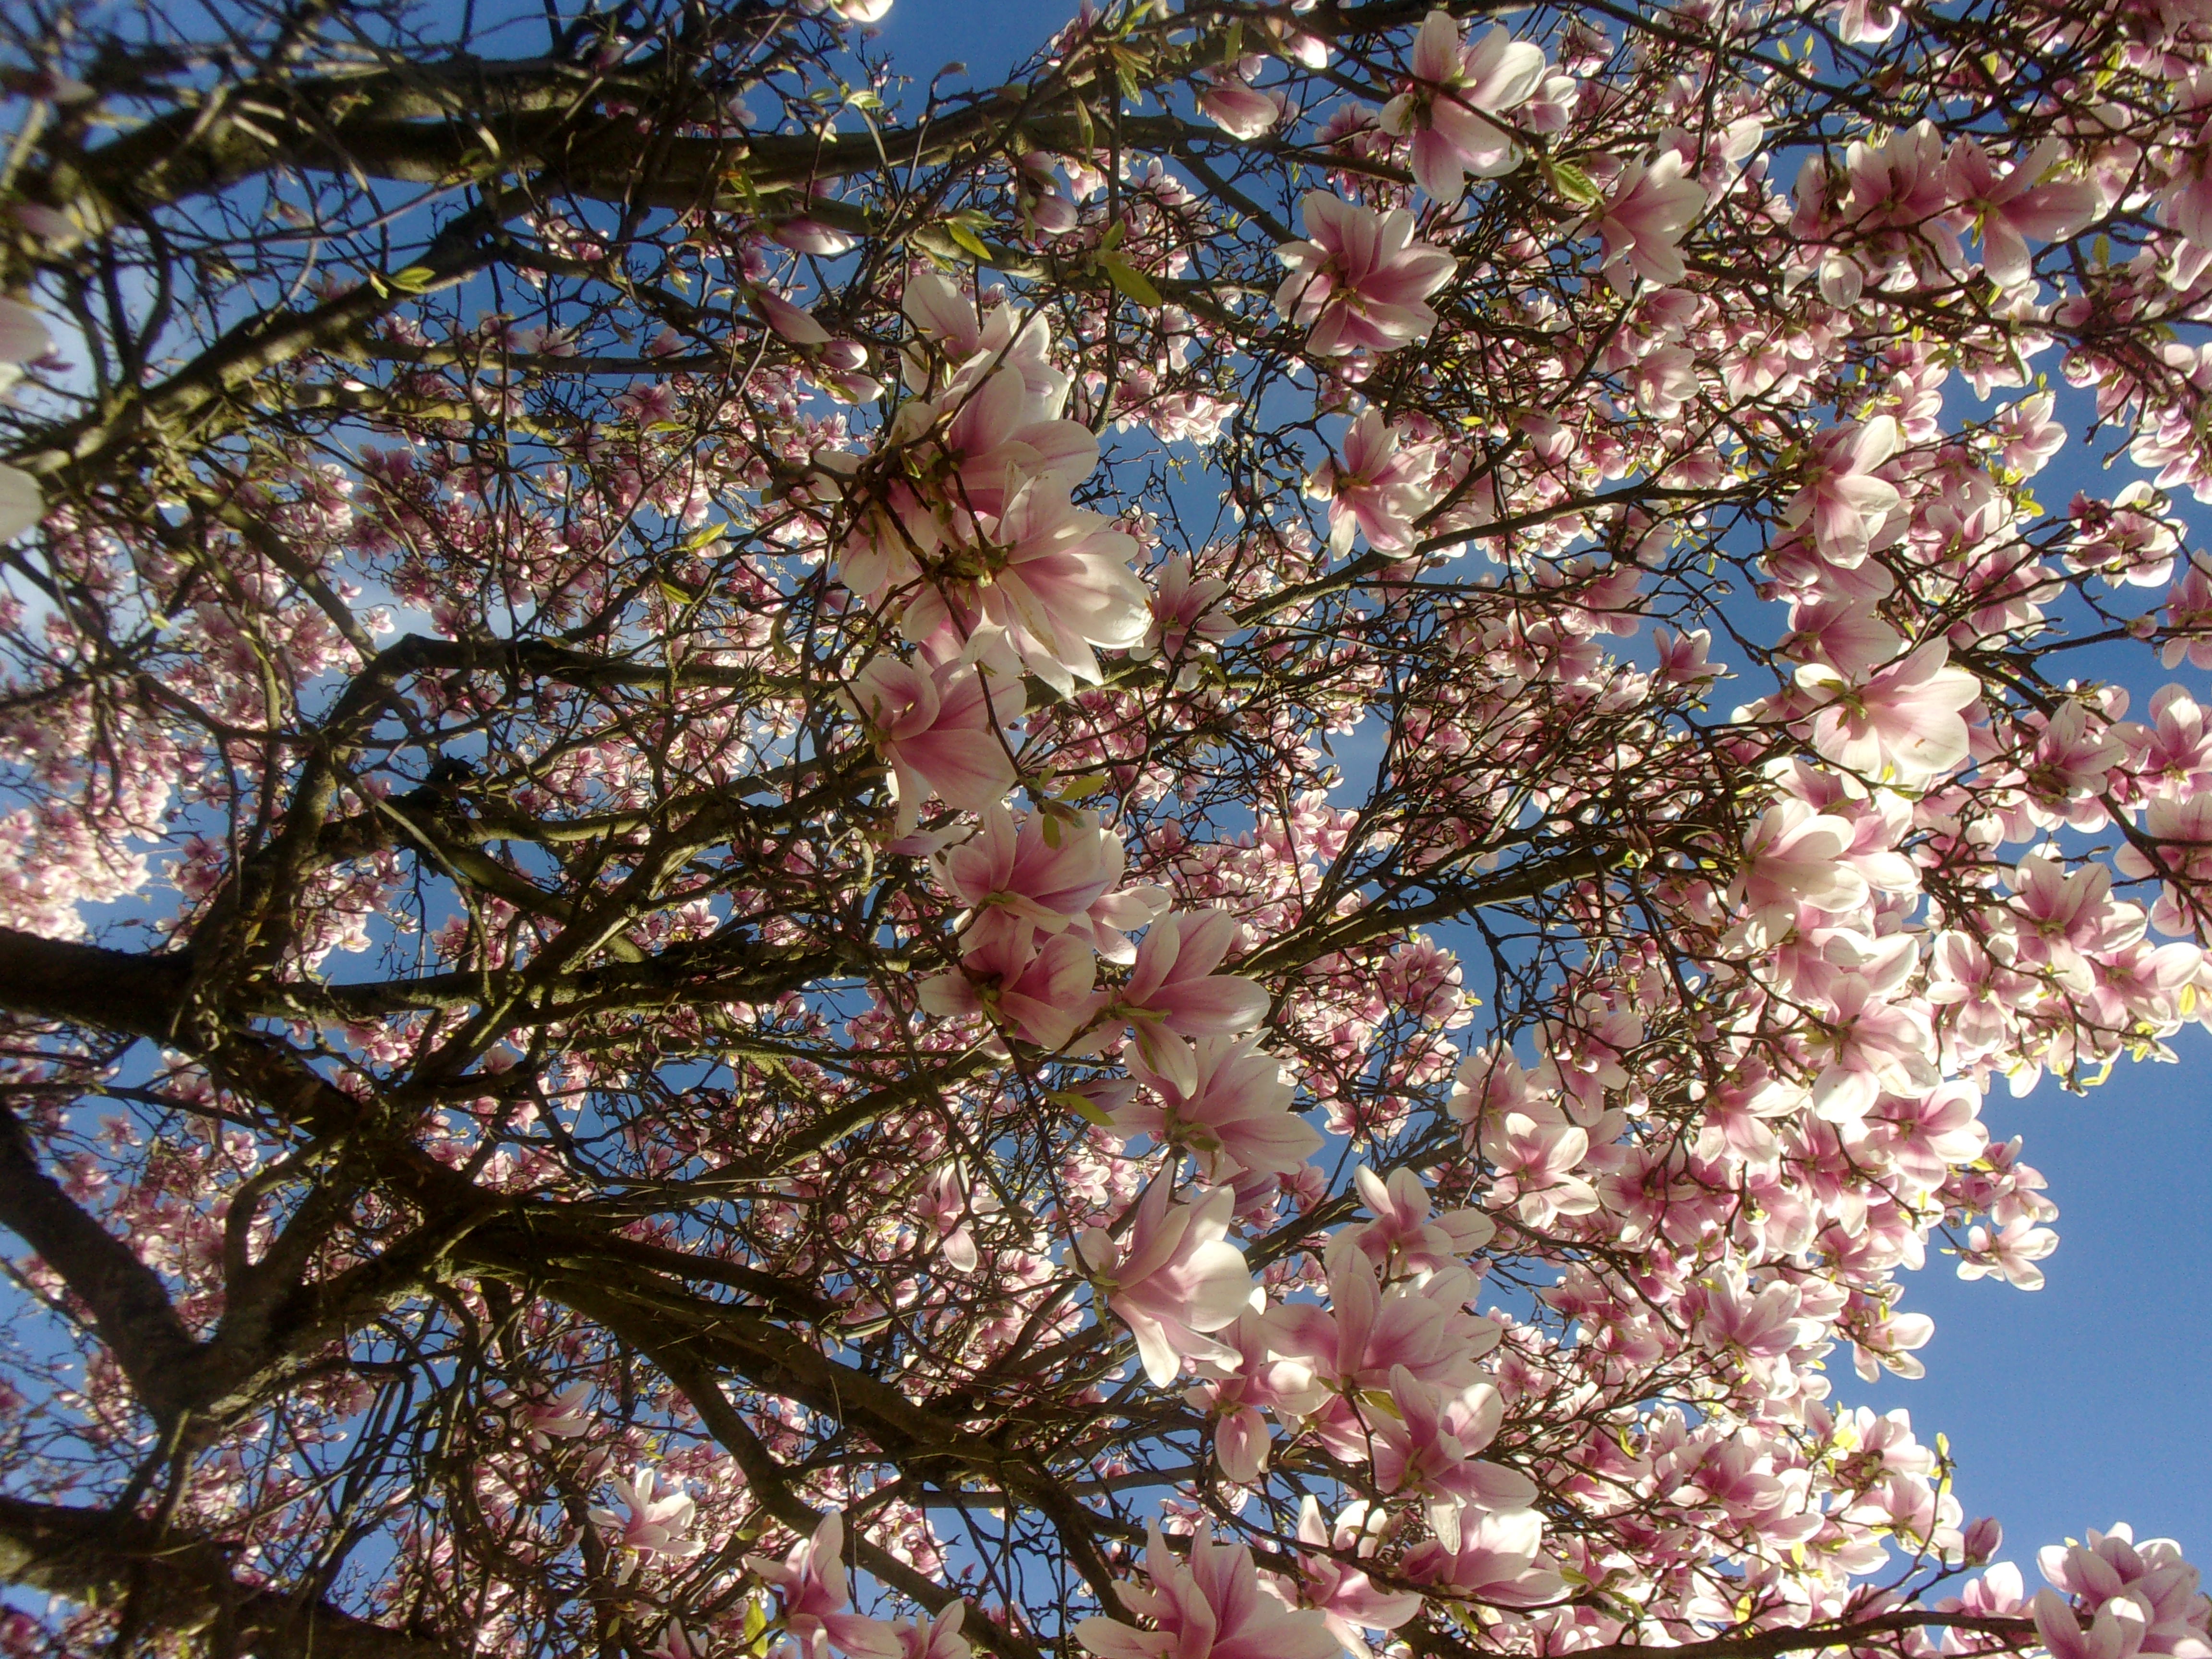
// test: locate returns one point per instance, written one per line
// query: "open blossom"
(1214, 1607)
(655, 1521)
(1426, 1441)
(1172, 1277)
(563, 1417)
(934, 726)
(1061, 878)
(810, 1583)
(1360, 280)
(1456, 89)
(1173, 991)
(2010, 1253)
(1643, 218)
(1237, 1117)
(1377, 490)
(1792, 857)
(1037, 986)
(1495, 1562)
(1257, 1379)
(2019, 203)
(1346, 1597)
(1054, 576)
(1903, 722)
(1841, 498)
(1403, 1226)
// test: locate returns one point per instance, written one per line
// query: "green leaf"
(968, 240)
(1082, 1105)
(1574, 184)
(1133, 282)
(413, 279)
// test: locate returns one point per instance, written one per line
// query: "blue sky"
(2073, 1406)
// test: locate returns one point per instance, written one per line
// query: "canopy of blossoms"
(1216, 856)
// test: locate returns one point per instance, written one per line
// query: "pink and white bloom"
(1794, 857)
(1426, 1441)
(1172, 1277)
(2010, 1253)
(1346, 1597)
(1404, 1228)
(656, 1521)
(935, 727)
(1377, 490)
(1360, 280)
(1643, 220)
(1173, 991)
(1214, 1608)
(1903, 723)
(1455, 90)
(1237, 1117)
(1056, 577)
(1495, 1562)
(1037, 986)
(1019, 875)
(810, 1584)
(2014, 205)
(1841, 498)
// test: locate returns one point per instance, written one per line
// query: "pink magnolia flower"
(1235, 1118)
(1240, 111)
(1402, 1226)
(2011, 1252)
(944, 1205)
(1365, 1334)
(934, 726)
(1425, 1441)
(1867, 1046)
(2111, 1568)
(1495, 1562)
(2012, 206)
(1841, 498)
(940, 1638)
(1052, 876)
(1186, 609)
(1903, 723)
(1056, 577)
(1643, 218)
(1174, 993)
(658, 1522)
(810, 1583)
(1455, 90)
(1534, 1158)
(1172, 1277)
(1004, 432)
(1377, 490)
(1794, 857)
(1346, 1597)
(1038, 989)
(1360, 280)
(561, 1417)
(1260, 1378)
(1215, 1607)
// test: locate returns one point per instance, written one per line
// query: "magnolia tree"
(1211, 858)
